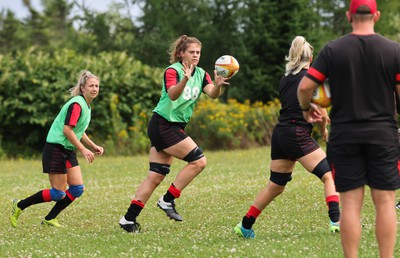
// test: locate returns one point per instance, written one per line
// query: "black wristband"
(306, 109)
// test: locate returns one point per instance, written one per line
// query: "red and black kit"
(363, 142)
(56, 159)
(291, 138)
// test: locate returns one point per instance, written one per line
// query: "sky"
(22, 12)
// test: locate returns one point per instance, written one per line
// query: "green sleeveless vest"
(56, 134)
(181, 109)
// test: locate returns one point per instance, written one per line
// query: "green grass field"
(294, 225)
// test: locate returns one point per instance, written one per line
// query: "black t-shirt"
(291, 111)
(363, 71)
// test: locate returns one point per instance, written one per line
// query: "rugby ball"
(226, 66)
(322, 95)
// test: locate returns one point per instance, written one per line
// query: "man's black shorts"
(355, 165)
(56, 159)
(164, 134)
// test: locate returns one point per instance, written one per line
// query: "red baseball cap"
(371, 4)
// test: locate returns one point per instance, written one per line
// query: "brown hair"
(180, 44)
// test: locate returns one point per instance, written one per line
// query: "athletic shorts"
(56, 159)
(291, 142)
(164, 134)
(355, 165)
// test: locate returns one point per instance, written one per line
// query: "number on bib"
(189, 93)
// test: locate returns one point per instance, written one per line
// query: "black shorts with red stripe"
(292, 141)
(164, 134)
(56, 159)
(355, 165)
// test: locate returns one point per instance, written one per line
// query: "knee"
(196, 158)
(76, 190)
(322, 169)
(201, 163)
(56, 194)
(195, 155)
(155, 178)
(280, 179)
(276, 189)
(161, 169)
(327, 178)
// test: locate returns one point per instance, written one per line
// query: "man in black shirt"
(364, 74)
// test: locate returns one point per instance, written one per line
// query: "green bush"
(34, 85)
(234, 125)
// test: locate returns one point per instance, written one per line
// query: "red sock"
(138, 203)
(70, 195)
(174, 191)
(333, 207)
(253, 212)
(332, 198)
(46, 195)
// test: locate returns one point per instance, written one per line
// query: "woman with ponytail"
(291, 142)
(66, 136)
(183, 84)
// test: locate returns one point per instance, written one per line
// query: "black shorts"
(292, 141)
(164, 134)
(56, 159)
(355, 165)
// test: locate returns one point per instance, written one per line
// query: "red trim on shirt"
(208, 79)
(398, 78)
(75, 114)
(171, 78)
(316, 74)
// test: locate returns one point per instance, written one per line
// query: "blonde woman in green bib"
(66, 136)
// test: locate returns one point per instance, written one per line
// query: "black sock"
(168, 197)
(133, 211)
(248, 222)
(334, 212)
(31, 200)
(58, 207)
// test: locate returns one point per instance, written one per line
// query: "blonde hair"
(180, 44)
(82, 79)
(300, 54)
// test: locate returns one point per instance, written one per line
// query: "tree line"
(257, 32)
(41, 54)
